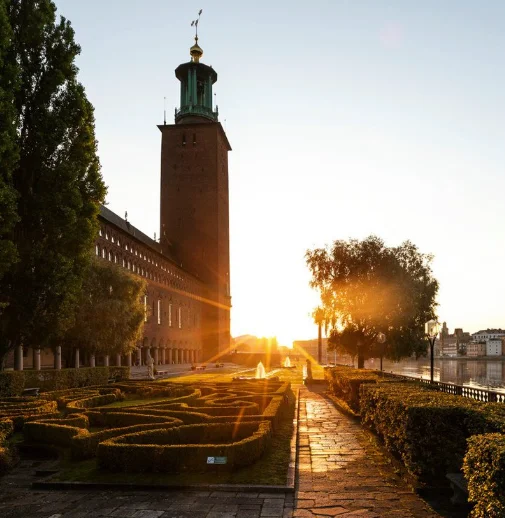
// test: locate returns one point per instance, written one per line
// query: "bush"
(484, 469)
(345, 383)
(12, 383)
(425, 428)
(48, 433)
(185, 447)
(84, 446)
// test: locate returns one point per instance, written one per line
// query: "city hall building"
(187, 303)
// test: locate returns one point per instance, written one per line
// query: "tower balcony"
(196, 110)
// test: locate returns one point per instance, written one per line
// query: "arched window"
(104, 253)
(97, 250)
(106, 235)
(129, 265)
(124, 262)
(110, 256)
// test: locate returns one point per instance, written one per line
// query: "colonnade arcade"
(168, 355)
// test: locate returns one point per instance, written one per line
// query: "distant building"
(308, 349)
(453, 344)
(476, 349)
(486, 334)
(494, 347)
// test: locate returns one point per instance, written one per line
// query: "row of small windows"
(133, 250)
(135, 268)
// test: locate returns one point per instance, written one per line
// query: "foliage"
(484, 469)
(52, 433)
(185, 447)
(367, 288)
(56, 177)
(8, 150)
(345, 383)
(110, 315)
(427, 429)
(12, 383)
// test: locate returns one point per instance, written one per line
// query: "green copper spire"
(196, 86)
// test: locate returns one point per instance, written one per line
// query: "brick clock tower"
(194, 208)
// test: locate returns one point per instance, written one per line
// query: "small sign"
(216, 460)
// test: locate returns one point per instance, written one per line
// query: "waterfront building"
(187, 269)
(494, 347)
(476, 349)
(485, 334)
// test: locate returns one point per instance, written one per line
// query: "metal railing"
(192, 109)
(487, 396)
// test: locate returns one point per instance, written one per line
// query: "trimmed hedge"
(427, 429)
(48, 433)
(84, 446)
(186, 447)
(345, 383)
(12, 383)
(484, 469)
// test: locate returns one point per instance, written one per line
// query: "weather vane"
(194, 23)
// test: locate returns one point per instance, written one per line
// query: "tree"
(8, 150)
(56, 177)
(110, 311)
(367, 288)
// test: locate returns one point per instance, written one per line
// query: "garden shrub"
(12, 383)
(58, 434)
(185, 448)
(427, 429)
(484, 469)
(345, 383)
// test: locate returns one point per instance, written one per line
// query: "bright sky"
(346, 118)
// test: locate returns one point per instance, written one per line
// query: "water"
(484, 374)
(287, 362)
(260, 371)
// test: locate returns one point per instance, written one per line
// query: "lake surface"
(486, 374)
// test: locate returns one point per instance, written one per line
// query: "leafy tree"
(110, 311)
(56, 178)
(8, 149)
(367, 288)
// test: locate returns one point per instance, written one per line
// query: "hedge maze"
(178, 431)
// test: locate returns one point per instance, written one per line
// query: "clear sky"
(346, 118)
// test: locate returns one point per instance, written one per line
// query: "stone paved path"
(340, 474)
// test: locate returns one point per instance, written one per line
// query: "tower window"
(170, 315)
(145, 308)
(159, 311)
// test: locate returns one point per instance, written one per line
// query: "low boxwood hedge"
(484, 469)
(12, 383)
(186, 447)
(58, 434)
(427, 429)
(345, 383)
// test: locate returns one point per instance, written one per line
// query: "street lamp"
(380, 339)
(431, 328)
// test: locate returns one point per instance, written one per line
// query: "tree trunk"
(361, 361)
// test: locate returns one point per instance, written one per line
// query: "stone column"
(57, 358)
(139, 355)
(118, 360)
(92, 362)
(36, 358)
(176, 355)
(155, 356)
(106, 360)
(170, 356)
(18, 358)
(77, 358)
(163, 356)
(129, 360)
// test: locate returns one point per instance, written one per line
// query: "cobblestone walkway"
(340, 473)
